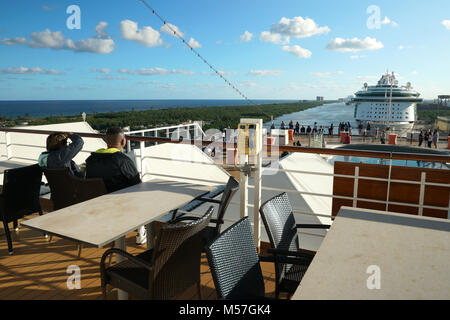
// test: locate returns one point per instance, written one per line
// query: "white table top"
(8, 164)
(101, 220)
(412, 254)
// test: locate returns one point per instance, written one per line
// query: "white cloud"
(194, 44)
(298, 27)
(100, 43)
(111, 78)
(25, 70)
(102, 70)
(224, 73)
(386, 20)
(13, 41)
(355, 44)
(298, 51)
(275, 38)
(146, 36)
(247, 36)
(156, 71)
(166, 28)
(446, 24)
(321, 74)
(261, 73)
(354, 57)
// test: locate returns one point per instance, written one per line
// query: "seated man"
(116, 169)
(60, 155)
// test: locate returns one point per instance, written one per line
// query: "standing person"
(302, 130)
(60, 155)
(383, 137)
(330, 129)
(425, 137)
(420, 138)
(282, 126)
(430, 138)
(349, 126)
(291, 125)
(116, 169)
(308, 130)
(435, 137)
(297, 128)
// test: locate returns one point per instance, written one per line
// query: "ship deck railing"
(251, 205)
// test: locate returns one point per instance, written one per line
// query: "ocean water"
(324, 115)
(13, 109)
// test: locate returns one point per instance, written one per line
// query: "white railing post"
(142, 149)
(422, 192)
(156, 136)
(9, 153)
(243, 187)
(389, 183)
(257, 183)
(355, 187)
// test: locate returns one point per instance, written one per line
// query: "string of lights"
(217, 72)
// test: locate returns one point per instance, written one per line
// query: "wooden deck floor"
(38, 269)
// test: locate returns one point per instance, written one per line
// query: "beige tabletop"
(371, 254)
(100, 221)
(8, 164)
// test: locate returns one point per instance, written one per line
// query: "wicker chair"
(67, 189)
(234, 263)
(290, 264)
(165, 271)
(210, 232)
(19, 197)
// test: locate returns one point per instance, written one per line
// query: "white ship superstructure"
(387, 104)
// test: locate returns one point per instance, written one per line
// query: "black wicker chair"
(234, 263)
(165, 271)
(67, 189)
(281, 228)
(19, 197)
(210, 232)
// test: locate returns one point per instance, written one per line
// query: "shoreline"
(218, 117)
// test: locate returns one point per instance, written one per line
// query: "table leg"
(151, 232)
(120, 244)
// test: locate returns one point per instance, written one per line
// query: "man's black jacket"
(115, 168)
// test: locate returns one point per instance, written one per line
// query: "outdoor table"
(102, 220)
(8, 164)
(370, 254)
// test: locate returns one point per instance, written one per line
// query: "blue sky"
(267, 49)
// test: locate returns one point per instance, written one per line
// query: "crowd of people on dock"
(316, 129)
(428, 138)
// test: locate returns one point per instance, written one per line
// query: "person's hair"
(56, 141)
(114, 135)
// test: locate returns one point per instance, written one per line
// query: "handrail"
(344, 152)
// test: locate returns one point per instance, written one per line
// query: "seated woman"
(60, 155)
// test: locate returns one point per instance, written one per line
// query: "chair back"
(21, 191)
(279, 222)
(234, 263)
(176, 257)
(230, 189)
(67, 189)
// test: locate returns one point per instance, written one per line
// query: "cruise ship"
(387, 105)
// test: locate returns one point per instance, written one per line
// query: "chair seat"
(293, 277)
(130, 272)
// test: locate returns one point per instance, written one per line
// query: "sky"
(266, 49)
